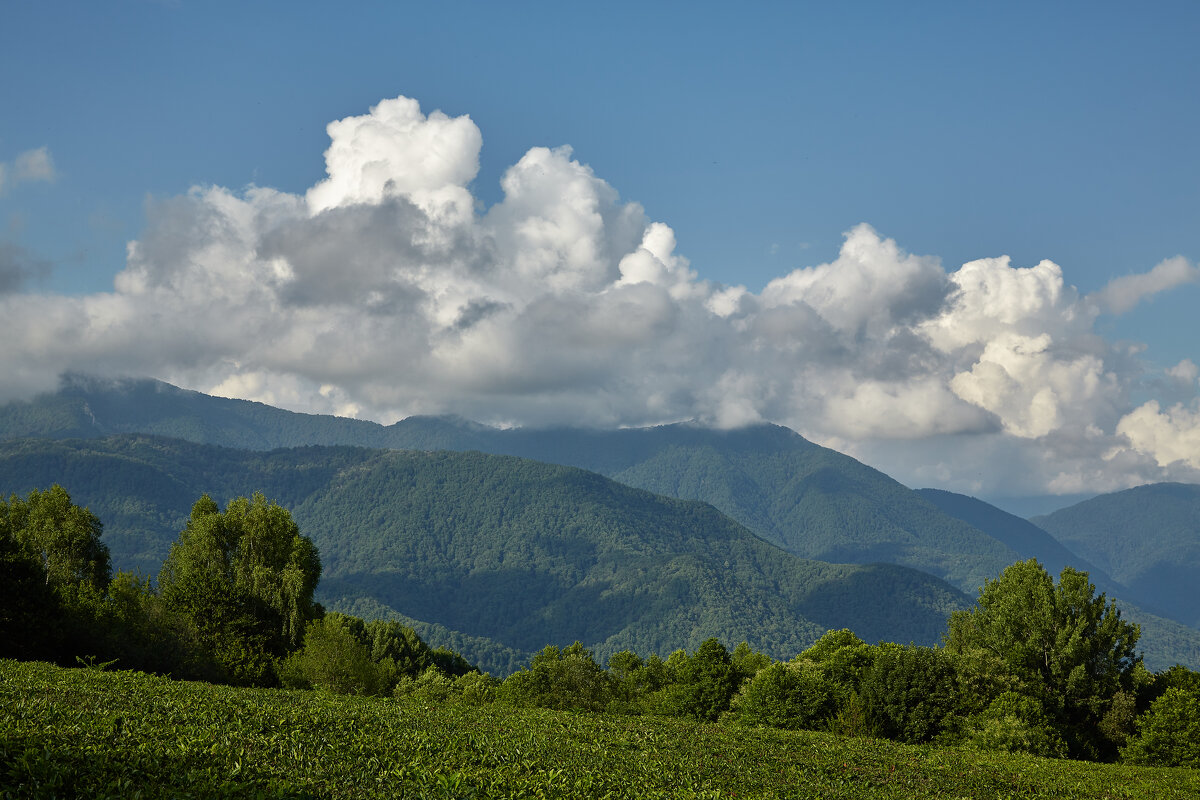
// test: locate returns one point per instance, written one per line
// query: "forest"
(1036, 666)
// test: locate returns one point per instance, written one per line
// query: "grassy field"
(89, 733)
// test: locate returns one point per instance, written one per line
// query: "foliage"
(909, 693)
(63, 537)
(1168, 734)
(792, 696)
(561, 679)
(1015, 723)
(246, 578)
(334, 658)
(30, 612)
(708, 681)
(81, 733)
(1062, 642)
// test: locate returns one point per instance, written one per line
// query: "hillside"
(1020, 535)
(1147, 538)
(810, 500)
(507, 550)
(1164, 641)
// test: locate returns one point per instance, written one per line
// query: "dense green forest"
(1036, 666)
(492, 555)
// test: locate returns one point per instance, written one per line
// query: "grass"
(90, 733)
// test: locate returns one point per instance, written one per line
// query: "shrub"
(788, 696)
(1168, 734)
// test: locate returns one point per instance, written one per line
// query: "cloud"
(1122, 294)
(18, 267)
(28, 167)
(387, 289)
(1170, 437)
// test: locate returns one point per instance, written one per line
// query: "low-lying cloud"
(387, 290)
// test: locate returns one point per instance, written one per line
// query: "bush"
(1015, 724)
(788, 696)
(909, 693)
(1168, 734)
(561, 679)
(334, 658)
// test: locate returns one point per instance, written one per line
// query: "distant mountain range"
(811, 501)
(1146, 538)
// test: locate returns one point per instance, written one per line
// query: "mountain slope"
(1164, 641)
(1020, 535)
(812, 501)
(1147, 538)
(495, 548)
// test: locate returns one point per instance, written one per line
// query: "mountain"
(1146, 538)
(1020, 535)
(1164, 641)
(810, 500)
(500, 555)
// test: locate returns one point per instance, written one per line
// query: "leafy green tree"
(1168, 734)
(844, 661)
(1066, 645)
(335, 658)
(246, 578)
(747, 663)
(133, 625)
(30, 612)
(908, 694)
(844, 658)
(707, 680)
(62, 536)
(1015, 723)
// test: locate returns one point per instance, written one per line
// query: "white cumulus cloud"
(387, 289)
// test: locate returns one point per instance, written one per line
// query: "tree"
(561, 679)
(335, 658)
(246, 577)
(908, 693)
(793, 695)
(63, 537)
(30, 612)
(1015, 723)
(1066, 645)
(708, 681)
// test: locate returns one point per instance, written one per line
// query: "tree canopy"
(246, 576)
(1066, 645)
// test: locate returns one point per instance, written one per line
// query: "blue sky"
(760, 134)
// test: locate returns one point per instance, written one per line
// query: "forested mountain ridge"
(1147, 538)
(1166, 640)
(810, 500)
(495, 548)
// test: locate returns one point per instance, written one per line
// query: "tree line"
(1037, 666)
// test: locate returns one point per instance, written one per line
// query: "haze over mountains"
(808, 500)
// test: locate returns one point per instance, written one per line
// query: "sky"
(957, 241)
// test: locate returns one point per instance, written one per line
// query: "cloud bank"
(388, 290)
